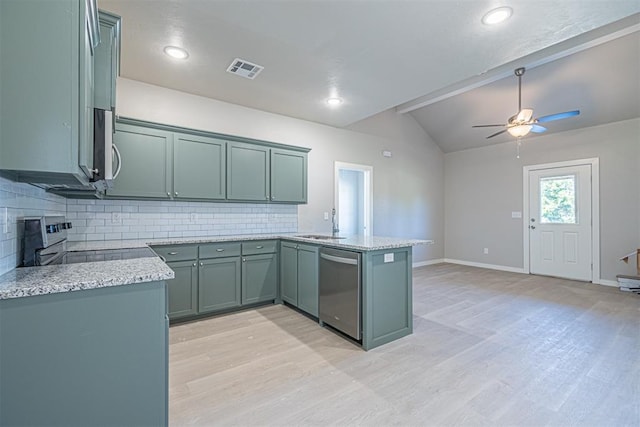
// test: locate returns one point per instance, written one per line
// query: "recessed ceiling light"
(176, 52)
(334, 101)
(496, 16)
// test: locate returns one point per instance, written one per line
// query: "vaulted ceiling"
(433, 59)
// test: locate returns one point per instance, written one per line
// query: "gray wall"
(483, 186)
(407, 188)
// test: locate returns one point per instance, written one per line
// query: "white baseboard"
(428, 262)
(607, 282)
(483, 265)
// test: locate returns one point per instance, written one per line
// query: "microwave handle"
(119, 157)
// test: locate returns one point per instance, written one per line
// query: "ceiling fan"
(523, 122)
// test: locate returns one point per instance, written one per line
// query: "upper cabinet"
(288, 176)
(145, 162)
(198, 167)
(165, 162)
(258, 173)
(46, 89)
(107, 61)
(247, 172)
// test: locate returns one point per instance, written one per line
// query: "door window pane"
(558, 200)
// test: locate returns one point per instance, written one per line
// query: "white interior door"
(560, 223)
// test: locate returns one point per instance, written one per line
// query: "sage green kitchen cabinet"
(145, 167)
(387, 310)
(183, 289)
(94, 357)
(107, 61)
(198, 167)
(299, 276)
(289, 272)
(247, 172)
(288, 176)
(46, 88)
(259, 271)
(219, 284)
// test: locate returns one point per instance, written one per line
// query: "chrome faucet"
(334, 223)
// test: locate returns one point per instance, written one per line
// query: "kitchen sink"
(320, 237)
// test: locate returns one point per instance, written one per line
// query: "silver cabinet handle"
(173, 253)
(259, 247)
(201, 264)
(168, 194)
(175, 194)
(219, 250)
(244, 260)
(194, 264)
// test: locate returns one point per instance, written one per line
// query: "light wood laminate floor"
(488, 348)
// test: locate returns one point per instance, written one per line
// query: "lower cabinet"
(219, 281)
(299, 276)
(183, 289)
(219, 276)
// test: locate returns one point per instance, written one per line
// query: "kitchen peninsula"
(87, 332)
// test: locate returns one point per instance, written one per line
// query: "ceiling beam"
(584, 41)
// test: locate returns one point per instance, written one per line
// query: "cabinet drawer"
(219, 250)
(259, 247)
(176, 252)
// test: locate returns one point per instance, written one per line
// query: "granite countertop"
(360, 243)
(31, 281)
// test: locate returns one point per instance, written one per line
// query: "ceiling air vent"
(245, 69)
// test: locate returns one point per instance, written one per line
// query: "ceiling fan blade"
(485, 126)
(496, 134)
(557, 116)
(524, 115)
(537, 128)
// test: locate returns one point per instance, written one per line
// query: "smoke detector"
(245, 69)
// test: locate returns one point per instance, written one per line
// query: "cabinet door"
(308, 279)
(183, 289)
(198, 167)
(40, 44)
(107, 61)
(259, 278)
(288, 176)
(218, 284)
(85, 148)
(289, 272)
(146, 162)
(247, 172)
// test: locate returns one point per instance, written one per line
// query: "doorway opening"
(561, 219)
(353, 198)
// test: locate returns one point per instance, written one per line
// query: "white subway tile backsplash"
(22, 200)
(147, 219)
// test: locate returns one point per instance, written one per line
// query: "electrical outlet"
(193, 218)
(116, 218)
(486, 251)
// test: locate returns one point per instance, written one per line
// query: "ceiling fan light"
(519, 131)
(497, 16)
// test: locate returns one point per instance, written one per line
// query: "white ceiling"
(378, 55)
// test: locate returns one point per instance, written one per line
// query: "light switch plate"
(116, 218)
(326, 216)
(388, 257)
(516, 214)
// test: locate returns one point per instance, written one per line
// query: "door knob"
(533, 227)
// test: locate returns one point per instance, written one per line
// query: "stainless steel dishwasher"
(340, 290)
